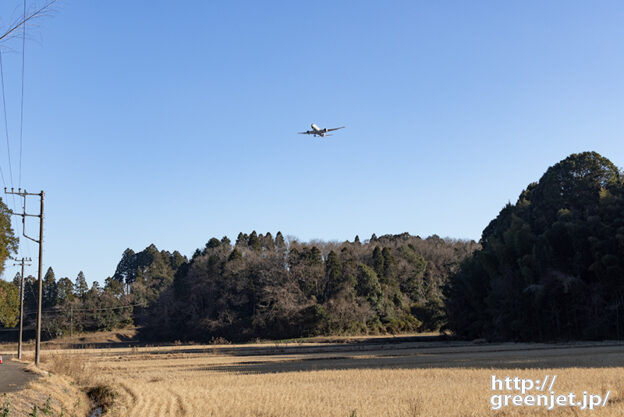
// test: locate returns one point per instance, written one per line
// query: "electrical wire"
(2, 175)
(59, 310)
(6, 122)
(6, 129)
(21, 134)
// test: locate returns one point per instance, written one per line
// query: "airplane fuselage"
(318, 131)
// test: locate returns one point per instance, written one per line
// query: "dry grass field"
(340, 379)
(181, 387)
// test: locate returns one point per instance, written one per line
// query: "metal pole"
(38, 345)
(21, 323)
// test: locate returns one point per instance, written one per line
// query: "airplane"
(317, 131)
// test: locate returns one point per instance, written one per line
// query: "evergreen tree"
(126, 268)
(333, 275)
(50, 292)
(213, 243)
(8, 241)
(235, 255)
(267, 242)
(254, 242)
(30, 289)
(241, 240)
(226, 243)
(389, 265)
(279, 241)
(81, 287)
(177, 260)
(9, 304)
(114, 287)
(16, 279)
(378, 262)
(368, 284)
(65, 290)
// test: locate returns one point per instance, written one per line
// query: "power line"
(2, 175)
(19, 184)
(6, 122)
(6, 127)
(1, 171)
(59, 310)
(39, 12)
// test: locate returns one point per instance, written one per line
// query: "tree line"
(259, 287)
(69, 306)
(265, 287)
(549, 267)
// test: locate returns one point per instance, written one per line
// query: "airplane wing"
(307, 132)
(335, 128)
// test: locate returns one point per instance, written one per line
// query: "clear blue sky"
(171, 122)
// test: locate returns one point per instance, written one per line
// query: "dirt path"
(13, 375)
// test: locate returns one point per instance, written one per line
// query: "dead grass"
(64, 387)
(373, 393)
(188, 385)
(71, 365)
(200, 381)
(60, 392)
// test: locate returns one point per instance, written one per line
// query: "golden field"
(339, 380)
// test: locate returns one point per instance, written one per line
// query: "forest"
(263, 287)
(549, 267)
(259, 287)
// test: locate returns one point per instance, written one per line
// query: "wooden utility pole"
(22, 262)
(24, 194)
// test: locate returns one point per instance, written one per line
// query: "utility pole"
(22, 262)
(24, 194)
